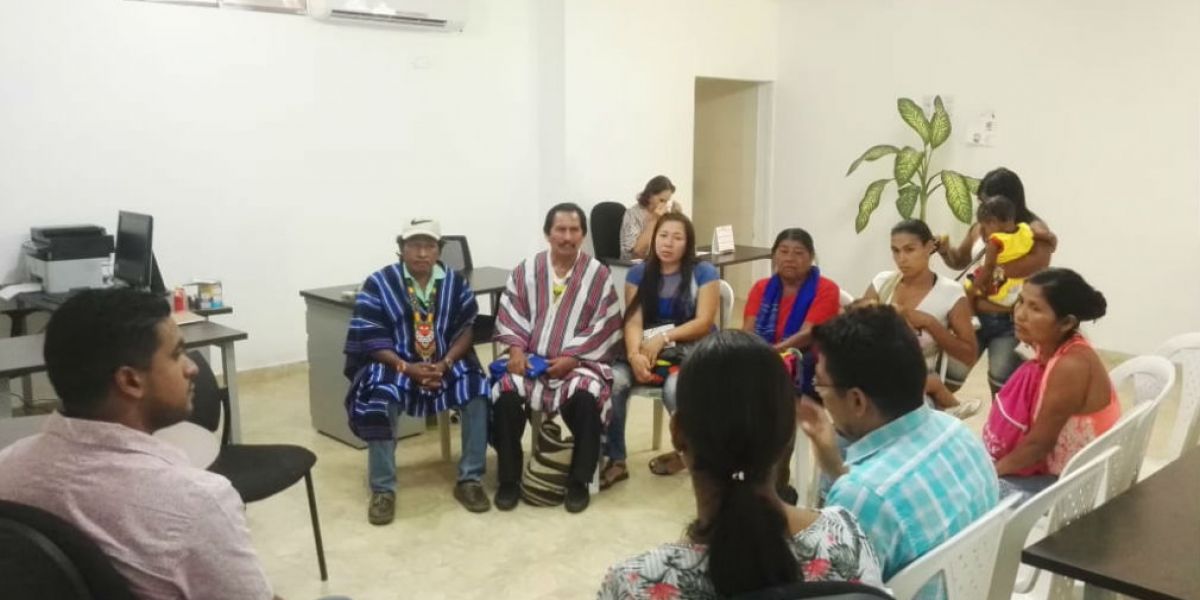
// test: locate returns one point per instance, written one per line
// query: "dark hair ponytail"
(915, 228)
(1070, 295)
(737, 414)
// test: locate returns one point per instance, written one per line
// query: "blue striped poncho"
(383, 320)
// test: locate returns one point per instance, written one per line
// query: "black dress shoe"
(577, 498)
(507, 496)
(470, 494)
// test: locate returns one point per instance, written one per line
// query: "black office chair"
(257, 471)
(456, 254)
(822, 590)
(43, 556)
(606, 229)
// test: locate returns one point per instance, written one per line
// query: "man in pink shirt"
(117, 361)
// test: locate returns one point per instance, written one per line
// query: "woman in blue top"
(672, 302)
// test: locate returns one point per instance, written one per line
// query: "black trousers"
(582, 417)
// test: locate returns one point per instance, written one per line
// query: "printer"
(68, 257)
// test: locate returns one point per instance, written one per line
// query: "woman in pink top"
(1059, 401)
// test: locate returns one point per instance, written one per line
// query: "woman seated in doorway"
(783, 309)
(936, 307)
(734, 425)
(1059, 401)
(672, 301)
(637, 226)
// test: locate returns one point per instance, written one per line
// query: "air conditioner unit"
(427, 15)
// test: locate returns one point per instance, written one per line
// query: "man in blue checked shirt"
(913, 476)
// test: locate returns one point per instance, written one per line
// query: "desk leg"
(6, 399)
(19, 329)
(27, 391)
(229, 365)
(721, 313)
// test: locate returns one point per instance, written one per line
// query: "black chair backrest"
(606, 229)
(43, 556)
(456, 253)
(823, 590)
(209, 402)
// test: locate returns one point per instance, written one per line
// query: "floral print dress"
(833, 548)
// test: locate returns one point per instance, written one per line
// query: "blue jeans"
(622, 384)
(381, 454)
(997, 336)
(1026, 487)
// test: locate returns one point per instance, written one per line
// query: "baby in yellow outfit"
(1006, 241)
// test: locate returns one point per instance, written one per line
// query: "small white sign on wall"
(722, 239)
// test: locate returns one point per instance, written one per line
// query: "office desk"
(23, 355)
(327, 319)
(1143, 543)
(741, 254)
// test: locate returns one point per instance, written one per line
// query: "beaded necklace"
(423, 312)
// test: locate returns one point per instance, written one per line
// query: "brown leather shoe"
(382, 509)
(470, 494)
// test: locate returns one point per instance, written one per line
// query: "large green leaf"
(914, 116)
(972, 184)
(939, 125)
(907, 202)
(873, 153)
(958, 195)
(908, 160)
(869, 203)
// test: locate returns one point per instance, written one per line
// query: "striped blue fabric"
(383, 319)
(914, 483)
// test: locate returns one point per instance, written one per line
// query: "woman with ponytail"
(1059, 401)
(734, 422)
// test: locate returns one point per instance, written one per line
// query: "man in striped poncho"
(559, 306)
(409, 351)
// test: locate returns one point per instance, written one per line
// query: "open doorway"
(730, 176)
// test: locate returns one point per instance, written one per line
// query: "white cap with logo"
(425, 227)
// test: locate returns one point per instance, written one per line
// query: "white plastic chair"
(965, 560)
(845, 298)
(655, 392)
(1068, 499)
(1185, 349)
(1120, 473)
(1153, 377)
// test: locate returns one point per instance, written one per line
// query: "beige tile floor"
(435, 549)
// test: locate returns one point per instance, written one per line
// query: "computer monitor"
(134, 260)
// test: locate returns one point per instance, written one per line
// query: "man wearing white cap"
(409, 349)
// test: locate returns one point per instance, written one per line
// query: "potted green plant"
(915, 181)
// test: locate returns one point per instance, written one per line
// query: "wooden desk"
(1143, 543)
(23, 355)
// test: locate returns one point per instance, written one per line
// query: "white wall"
(1098, 111)
(278, 153)
(275, 152)
(631, 67)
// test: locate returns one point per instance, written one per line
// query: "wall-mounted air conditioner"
(428, 15)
